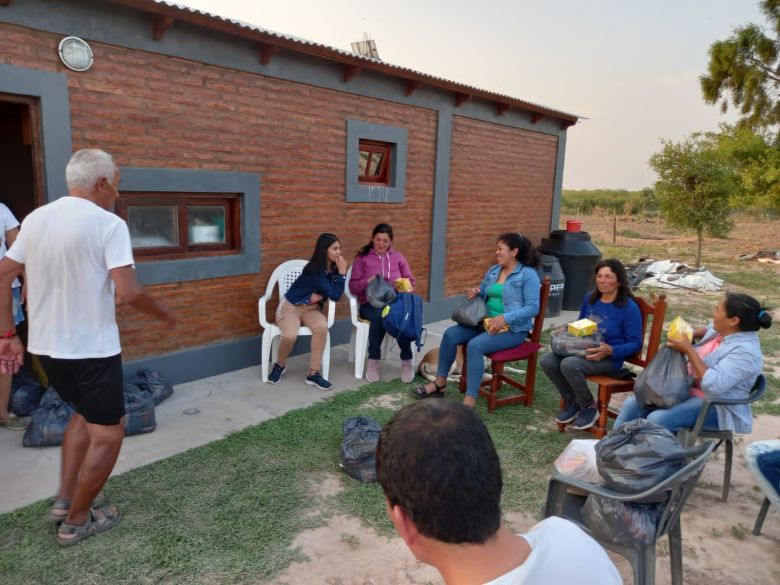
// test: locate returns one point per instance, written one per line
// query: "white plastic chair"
(358, 339)
(283, 277)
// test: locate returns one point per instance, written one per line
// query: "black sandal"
(439, 391)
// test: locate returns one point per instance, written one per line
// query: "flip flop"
(421, 393)
(94, 525)
(60, 508)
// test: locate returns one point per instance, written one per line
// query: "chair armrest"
(261, 311)
(331, 313)
(705, 407)
(354, 313)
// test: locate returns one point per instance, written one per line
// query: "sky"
(629, 67)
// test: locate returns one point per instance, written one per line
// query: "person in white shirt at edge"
(76, 254)
(442, 481)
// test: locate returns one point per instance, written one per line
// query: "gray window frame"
(395, 192)
(247, 185)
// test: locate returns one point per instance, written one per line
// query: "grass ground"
(227, 512)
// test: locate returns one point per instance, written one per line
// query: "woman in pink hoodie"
(378, 258)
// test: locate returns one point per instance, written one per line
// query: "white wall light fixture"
(75, 53)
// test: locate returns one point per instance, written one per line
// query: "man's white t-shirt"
(68, 248)
(561, 552)
(7, 222)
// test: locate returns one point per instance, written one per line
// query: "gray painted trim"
(127, 27)
(201, 362)
(398, 137)
(555, 215)
(52, 90)
(441, 194)
(200, 181)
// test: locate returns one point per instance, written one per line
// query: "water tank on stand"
(578, 257)
(552, 268)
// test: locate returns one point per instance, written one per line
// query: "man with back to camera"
(76, 253)
(442, 481)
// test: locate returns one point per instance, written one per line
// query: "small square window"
(374, 162)
(181, 225)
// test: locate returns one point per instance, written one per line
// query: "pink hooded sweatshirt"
(390, 265)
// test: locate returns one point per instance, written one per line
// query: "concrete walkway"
(222, 404)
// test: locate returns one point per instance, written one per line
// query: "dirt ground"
(719, 547)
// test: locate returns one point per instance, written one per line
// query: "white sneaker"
(372, 371)
(407, 371)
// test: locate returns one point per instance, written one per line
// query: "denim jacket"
(732, 370)
(520, 295)
(328, 284)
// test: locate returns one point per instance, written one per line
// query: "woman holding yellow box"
(612, 305)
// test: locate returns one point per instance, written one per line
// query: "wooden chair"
(528, 350)
(608, 385)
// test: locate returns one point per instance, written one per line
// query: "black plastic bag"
(48, 421)
(471, 313)
(358, 449)
(26, 394)
(623, 523)
(153, 383)
(638, 455)
(139, 410)
(380, 293)
(665, 381)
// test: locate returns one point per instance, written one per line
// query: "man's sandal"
(71, 534)
(60, 508)
(421, 392)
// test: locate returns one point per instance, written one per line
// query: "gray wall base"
(211, 360)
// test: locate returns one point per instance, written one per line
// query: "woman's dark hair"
(750, 312)
(527, 254)
(624, 289)
(380, 228)
(319, 259)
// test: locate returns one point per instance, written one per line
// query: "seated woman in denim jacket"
(322, 278)
(511, 292)
(725, 364)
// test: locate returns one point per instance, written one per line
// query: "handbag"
(471, 313)
(379, 293)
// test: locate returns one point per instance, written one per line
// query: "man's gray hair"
(86, 167)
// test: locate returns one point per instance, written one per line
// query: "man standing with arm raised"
(76, 254)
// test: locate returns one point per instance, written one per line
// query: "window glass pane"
(152, 226)
(206, 224)
(362, 160)
(376, 163)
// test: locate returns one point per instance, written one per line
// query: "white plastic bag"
(578, 460)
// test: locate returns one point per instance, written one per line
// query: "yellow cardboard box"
(403, 284)
(582, 327)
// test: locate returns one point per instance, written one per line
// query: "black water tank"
(552, 268)
(578, 257)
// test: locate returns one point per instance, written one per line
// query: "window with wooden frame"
(374, 162)
(182, 225)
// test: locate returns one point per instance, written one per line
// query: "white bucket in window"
(204, 234)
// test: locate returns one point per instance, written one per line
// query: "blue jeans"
(682, 415)
(376, 334)
(478, 344)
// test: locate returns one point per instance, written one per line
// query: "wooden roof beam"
(411, 87)
(160, 24)
(535, 117)
(350, 71)
(566, 123)
(501, 108)
(461, 98)
(266, 52)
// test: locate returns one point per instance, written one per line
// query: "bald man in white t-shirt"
(76, 255)
(442, 481)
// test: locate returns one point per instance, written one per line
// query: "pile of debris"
(763, 256)
(671, 274)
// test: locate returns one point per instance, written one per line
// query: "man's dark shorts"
(94, 386)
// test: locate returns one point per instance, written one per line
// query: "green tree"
(694, 186)
(757, 164)
(746, 68)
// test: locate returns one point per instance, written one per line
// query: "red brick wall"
(150, 110)
(501, 179)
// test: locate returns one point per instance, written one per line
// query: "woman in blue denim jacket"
(511, 292)
(322, 279)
